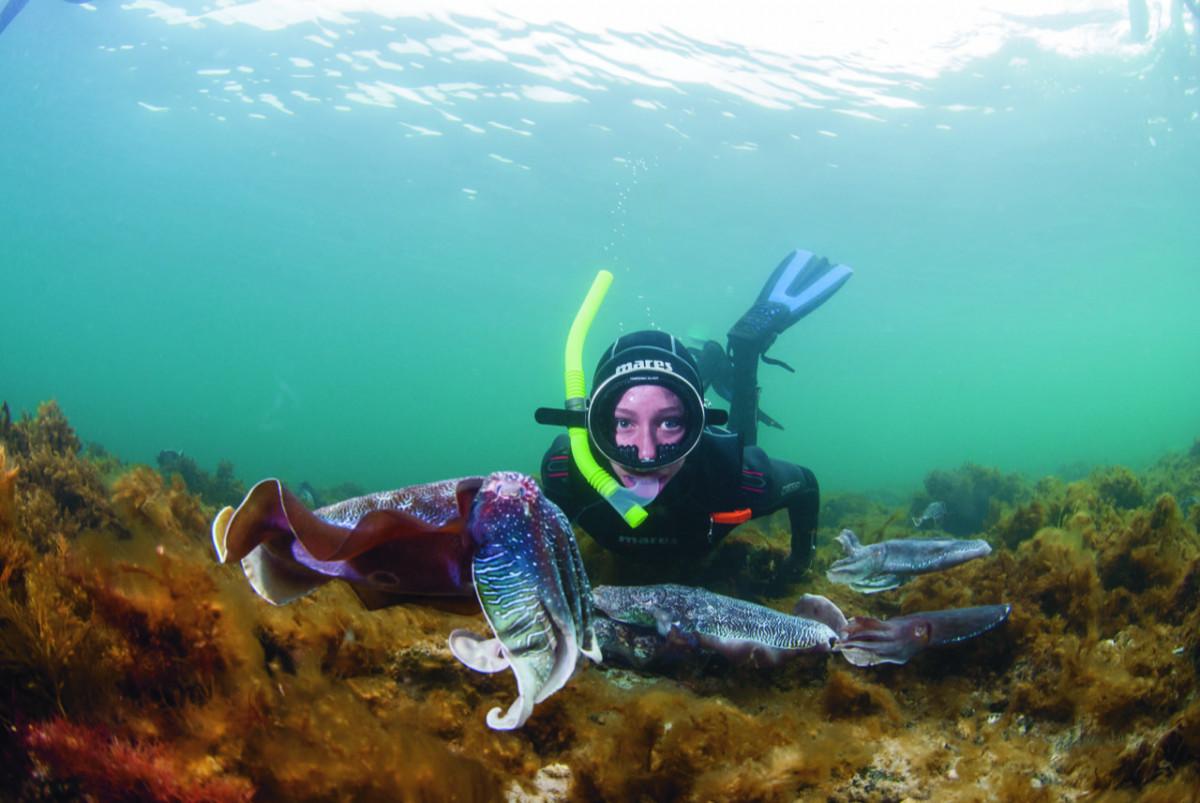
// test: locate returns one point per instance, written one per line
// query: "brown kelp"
(132, 661)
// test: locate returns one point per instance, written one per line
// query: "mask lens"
(646, 425)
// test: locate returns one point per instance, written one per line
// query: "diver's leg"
(800, 283)
(743, 406)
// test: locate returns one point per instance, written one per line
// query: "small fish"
(934, 512)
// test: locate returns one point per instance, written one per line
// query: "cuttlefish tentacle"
(888, 564)
(529, 580)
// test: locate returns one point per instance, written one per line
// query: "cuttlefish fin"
(261, 532)
(274, 577)
(877, 583)
(277, 578)
(270, 509)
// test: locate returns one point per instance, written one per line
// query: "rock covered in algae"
(125, 640)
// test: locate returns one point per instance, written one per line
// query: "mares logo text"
(642, 365)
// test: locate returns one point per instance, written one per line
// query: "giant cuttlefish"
(692, 618)
(493, 539)
(887, 564)
(646, 625)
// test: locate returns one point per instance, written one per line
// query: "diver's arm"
(787, 485)
(803, 501)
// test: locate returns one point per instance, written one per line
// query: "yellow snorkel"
(621, 498)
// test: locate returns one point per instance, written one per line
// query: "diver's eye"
(672, 424)
(624, 423)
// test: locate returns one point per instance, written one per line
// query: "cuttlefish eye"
(509, 485)
(384, 578)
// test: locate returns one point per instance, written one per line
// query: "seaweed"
(48, 643)
(1179, 475)
(90, 762)
(145, 501)
(1119, 487)
(848, 695)
(8, 493)
(1020, 524)
(57, 492)
(217, 489)
(138, 668)
(972, 494)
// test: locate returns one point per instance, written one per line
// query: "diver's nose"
(647, 448)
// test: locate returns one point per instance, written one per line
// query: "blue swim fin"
(802, 282)
(10, 11)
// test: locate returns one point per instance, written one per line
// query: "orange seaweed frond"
(8, 493)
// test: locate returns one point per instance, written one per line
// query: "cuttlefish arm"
(887, 564)
(530, 582)
(865, 641)
(693, 618)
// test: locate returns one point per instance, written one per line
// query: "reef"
(137, 668)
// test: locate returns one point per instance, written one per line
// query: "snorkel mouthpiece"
(623, 500)
(645, 487)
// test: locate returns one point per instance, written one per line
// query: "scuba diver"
(646, 468)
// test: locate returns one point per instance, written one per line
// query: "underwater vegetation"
(135, 667)
(219, 488)
(972, 495)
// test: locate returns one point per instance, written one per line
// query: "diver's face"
(648, 416)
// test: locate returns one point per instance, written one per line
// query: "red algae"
(135, 662)
(80, 761)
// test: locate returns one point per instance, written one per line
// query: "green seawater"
(348, 247)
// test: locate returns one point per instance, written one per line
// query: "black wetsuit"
(720, 476)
